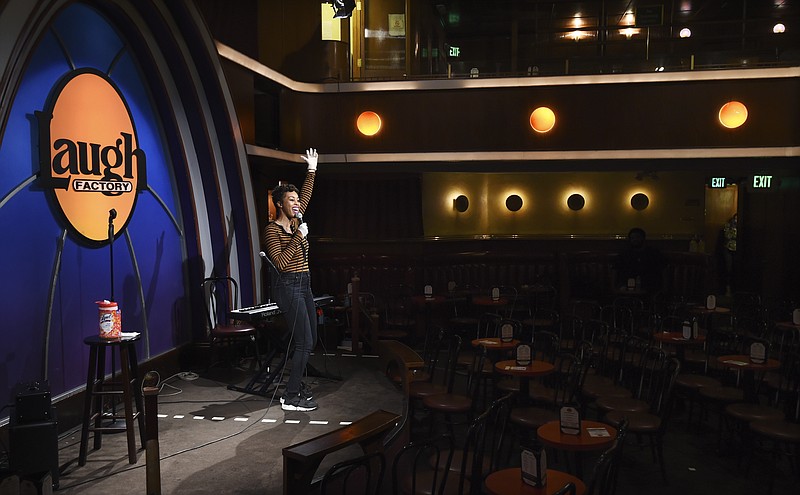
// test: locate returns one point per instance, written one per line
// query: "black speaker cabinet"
(32, 402)
(33, 448)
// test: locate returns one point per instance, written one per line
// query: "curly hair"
(280, 191)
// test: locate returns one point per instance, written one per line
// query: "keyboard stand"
(262, 381)
(264, 378)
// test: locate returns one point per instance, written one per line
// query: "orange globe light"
(732, 114)
(543, 119)
(369, 123)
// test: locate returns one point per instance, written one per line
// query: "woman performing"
(287, 247)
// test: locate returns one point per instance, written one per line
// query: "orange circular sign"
(90, 155)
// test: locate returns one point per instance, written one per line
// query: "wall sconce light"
(513, 203)
(732, 114)
(640, 201)
(685, 33)
(542, 120)
(779, 28)
(576, 202)
(461, 203)
(368, 123)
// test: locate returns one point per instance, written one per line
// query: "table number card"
(687, 329)
(523, 354)
(711, 301)
(495, 294)
(570, 419)
(506, 332)
(796, 316)
(758, 353)
(533, 463)
(428, 291)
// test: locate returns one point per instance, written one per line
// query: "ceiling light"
(778, 28)
(685, 33)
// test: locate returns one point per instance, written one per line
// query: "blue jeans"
(292, 292)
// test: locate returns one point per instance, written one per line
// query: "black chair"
(549, 397)
(421, 466)
(355, 476)
(606, 469)
(652, 424)
(480, 453)
(645, 379)
(221, 296)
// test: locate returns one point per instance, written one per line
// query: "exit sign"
(455, 51)
(717, 182)
(761, 182)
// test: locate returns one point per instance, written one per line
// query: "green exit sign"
(455, 51)
(717, 182)
(762, 182)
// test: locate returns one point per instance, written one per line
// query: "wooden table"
(748, 369)
(489, 301)
(495, 344)
(550, 435)
(525, 373)
(509, 482)
(677, 339)
(427, 303)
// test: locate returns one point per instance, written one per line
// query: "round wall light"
(685, 33)
(778, 28)
(576, 202)
(513, 203)
(640, 201)
(368, 123)
(461, 203)
(543, 120)
(732, 114)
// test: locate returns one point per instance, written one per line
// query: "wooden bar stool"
(98, 389)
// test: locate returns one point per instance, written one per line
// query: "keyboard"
(266, 310)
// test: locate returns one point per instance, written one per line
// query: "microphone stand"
(112, 214)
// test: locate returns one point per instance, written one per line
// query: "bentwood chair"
(653, 423)
(221, 296)
(421, 466)
(364, 474)
(606, 470)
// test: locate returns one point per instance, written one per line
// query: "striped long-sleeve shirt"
(289, 250)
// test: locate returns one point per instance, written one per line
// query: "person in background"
(640, 263)
(286, 241)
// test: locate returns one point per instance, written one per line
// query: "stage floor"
(214, 440)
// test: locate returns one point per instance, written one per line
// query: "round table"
(509, 482)
(525, 373)
(428, 302)
(550, 435)
(495, 344)
(489, 301)
(679, 341)
(742, 362)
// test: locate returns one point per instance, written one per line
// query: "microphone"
(299, 217)
(112, 214)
